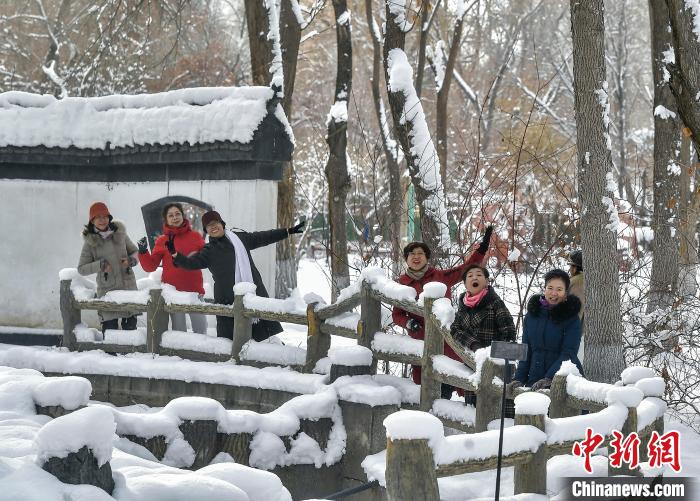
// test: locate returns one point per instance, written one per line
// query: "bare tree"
(599, 220)
(337, 168)
(685, 70)
(412, 131)
(392, 152)
(443, 63)
(667, 171)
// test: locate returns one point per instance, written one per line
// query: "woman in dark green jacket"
(227, 256)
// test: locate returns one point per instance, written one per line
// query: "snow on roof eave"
(184, 117)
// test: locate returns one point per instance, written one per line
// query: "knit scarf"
(545, 304)
(472, 301)
(417, 274)
(243, 271)
(104, 234)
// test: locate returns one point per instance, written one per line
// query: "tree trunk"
(664, 268)
(390, 152)
(260, 44)
(286, 270)
(422, 161)
(685, 72)
(336, 168)
(604, 361)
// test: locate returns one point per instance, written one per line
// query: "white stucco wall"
(42, 221)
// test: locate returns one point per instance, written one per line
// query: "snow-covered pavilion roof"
(187, 116)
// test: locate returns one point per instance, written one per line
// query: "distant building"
(220, 148)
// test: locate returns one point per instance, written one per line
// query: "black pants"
(224, 327)
(128, 324)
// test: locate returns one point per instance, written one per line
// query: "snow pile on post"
(651, 386)
(194, 116)
(91, 427)
(422, 148)
(351, 356)
(635, 373)
(444, 312)
(69, 392)
(532, 404)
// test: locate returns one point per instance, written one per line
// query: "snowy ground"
(158, 481)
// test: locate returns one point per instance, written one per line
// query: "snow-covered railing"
(418, 453)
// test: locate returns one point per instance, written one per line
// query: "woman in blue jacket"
(552, 332)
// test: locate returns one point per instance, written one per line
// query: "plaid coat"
(489, 321)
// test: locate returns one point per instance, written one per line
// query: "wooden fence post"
(531, 477)
(629, 426)
(156, 320)
(410, 471)
(488, 400)
(433, 344)
(370, 319)
(557, 393)
(317, 343)
(70, 315)
(242, 327)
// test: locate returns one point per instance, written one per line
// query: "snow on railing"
(418, 452)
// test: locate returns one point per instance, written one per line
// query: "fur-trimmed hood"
(94, 239)
(559, 313)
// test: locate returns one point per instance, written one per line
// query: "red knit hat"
(99, 209)
(211, 216)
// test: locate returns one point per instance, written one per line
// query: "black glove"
(542, 384)
(484, 245)
(413, 325)
(298, 228)
(142, 245)
(475, 346)
(170, 244)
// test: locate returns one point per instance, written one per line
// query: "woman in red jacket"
(418, 273)
(187, 242)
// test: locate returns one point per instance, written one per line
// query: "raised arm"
(256, 239)
(151, 260)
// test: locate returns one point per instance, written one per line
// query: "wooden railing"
(530, 467)
(319, 321)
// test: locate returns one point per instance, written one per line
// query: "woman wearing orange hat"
(108, 252)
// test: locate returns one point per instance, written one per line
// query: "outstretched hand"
(297, 228)
(484, 245)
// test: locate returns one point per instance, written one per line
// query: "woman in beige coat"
(108, 252)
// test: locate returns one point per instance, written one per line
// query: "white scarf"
(243, 272)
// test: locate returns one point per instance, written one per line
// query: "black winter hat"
(576, 259)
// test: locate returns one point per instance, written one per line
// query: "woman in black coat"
(220, 257)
